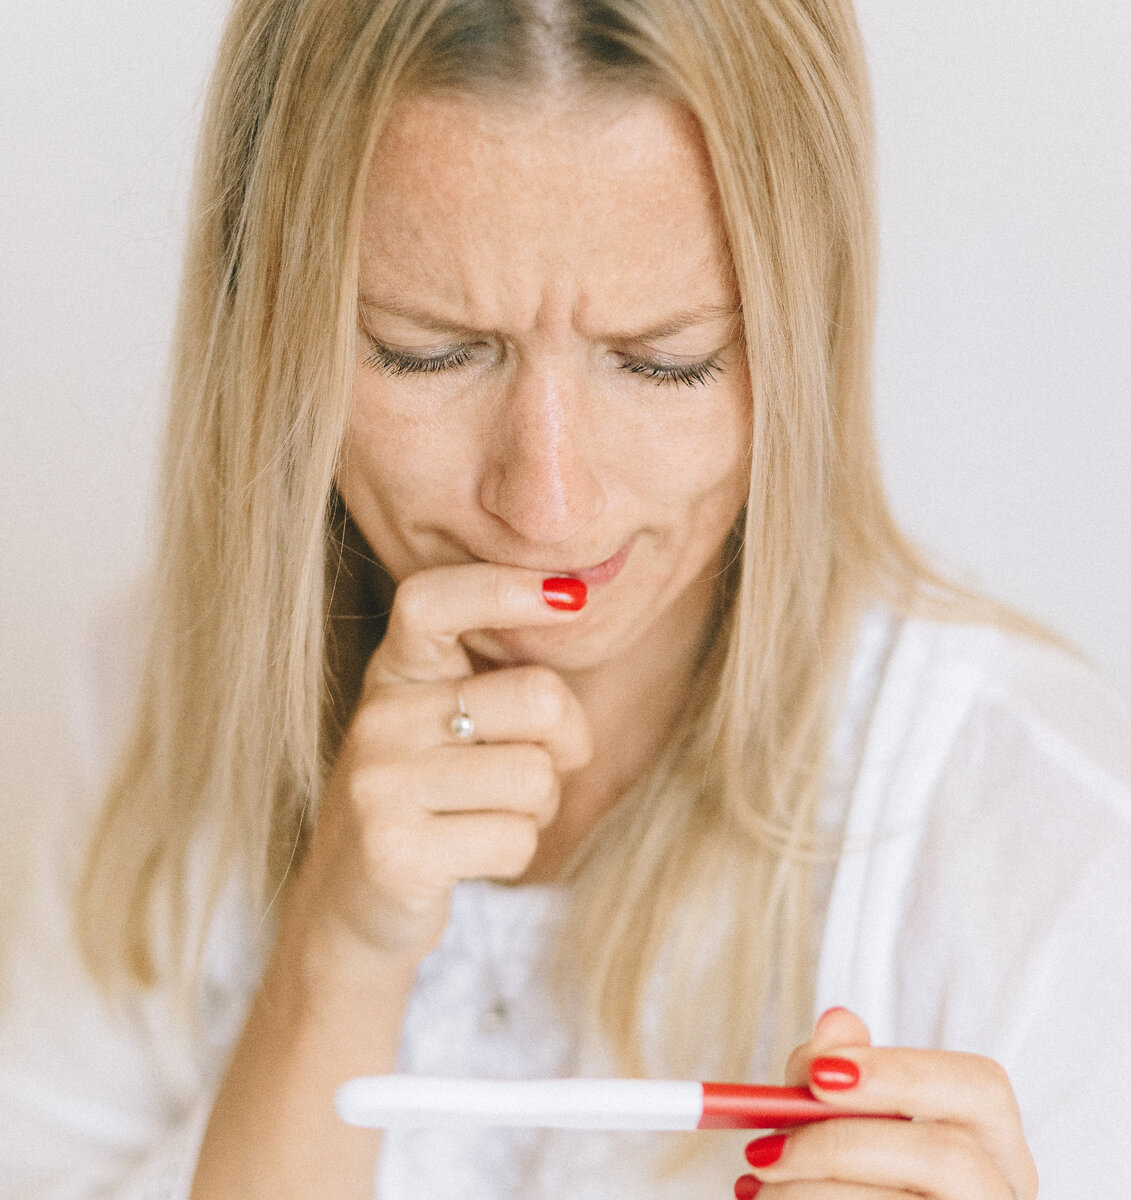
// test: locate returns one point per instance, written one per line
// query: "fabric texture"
(981, 903)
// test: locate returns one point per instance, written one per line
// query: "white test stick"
(410, 1101)
(406, 1101)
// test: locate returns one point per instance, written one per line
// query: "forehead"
(585, 203)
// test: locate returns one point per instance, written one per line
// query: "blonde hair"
(245, 691)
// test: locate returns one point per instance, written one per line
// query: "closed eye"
(687, 374)
(397, 362)
(400, 363)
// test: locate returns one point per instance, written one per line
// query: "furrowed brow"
(668, 326)
(433, 322)
(677, 322)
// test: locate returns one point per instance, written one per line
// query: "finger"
(839, 1027)
(836, 1027)
(455, 846)
(518, 779)
(749, 1186)
(518, 704)
(530, 704)
(433, 607)
(933, 1159)
(965, 1091)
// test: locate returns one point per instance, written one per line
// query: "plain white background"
(1004, 366)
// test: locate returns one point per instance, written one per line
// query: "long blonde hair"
(243, 693)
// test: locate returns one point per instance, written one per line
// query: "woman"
(523, 528)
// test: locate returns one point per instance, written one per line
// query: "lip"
(604, 572)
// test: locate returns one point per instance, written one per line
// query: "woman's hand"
(965, 1143)
(410, 808)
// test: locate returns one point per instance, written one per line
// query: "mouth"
(603, 572)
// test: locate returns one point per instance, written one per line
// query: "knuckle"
(371, 722)
(504, 592)
(378, 794)
(797, 1066)
(998, 1081)
(378, 672)
(530, 773)
(412, 604)
(994, 1086)
(542, 696)
(955, 1147)
(520, 846)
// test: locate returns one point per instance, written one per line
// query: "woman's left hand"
(965, 1143)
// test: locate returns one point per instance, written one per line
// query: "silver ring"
(462, 726)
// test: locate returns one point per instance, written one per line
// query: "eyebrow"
(675, 323)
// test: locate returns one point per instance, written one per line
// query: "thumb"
(835, 1028)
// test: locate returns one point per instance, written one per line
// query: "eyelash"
(689, 375)
(395, 363)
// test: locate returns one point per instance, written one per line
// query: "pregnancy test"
(412, 1101)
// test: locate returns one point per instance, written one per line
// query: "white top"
(982, 905)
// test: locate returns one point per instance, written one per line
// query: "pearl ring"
(462, 726)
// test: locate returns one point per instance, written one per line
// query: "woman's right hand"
(409, 808)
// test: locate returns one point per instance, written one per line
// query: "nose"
(539, 478)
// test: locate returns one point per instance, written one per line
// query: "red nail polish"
(834, 1074)
(764, 1152)
(565, 593)
(746, 1187)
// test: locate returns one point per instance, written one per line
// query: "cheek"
(698, 464)
(718, 476)
(395, 457)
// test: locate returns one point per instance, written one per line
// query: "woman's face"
(550, 368)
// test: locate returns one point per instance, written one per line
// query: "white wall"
(1005, 339)
(99, 102)
(1004, 370)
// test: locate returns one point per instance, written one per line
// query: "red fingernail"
(829, 1011)
(565, 593)
(764, 1152)
(834, 1074)
(746, 1187)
